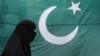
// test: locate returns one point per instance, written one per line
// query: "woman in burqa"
(19, 42)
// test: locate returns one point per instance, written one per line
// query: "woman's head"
(27, 29)
(19, 42)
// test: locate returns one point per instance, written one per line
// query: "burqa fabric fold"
(19, 42)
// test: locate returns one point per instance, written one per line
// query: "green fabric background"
(60, 22)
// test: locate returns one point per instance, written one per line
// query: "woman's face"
(34, 30)
(28, 30)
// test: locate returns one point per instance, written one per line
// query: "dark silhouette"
(19, 42)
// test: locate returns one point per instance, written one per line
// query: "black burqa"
(19, 42)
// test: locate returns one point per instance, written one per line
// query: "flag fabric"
(64, 27)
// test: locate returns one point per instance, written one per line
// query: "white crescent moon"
(50, 37)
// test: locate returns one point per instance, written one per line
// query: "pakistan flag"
(64, 27)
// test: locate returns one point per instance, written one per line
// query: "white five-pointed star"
(75, 7)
